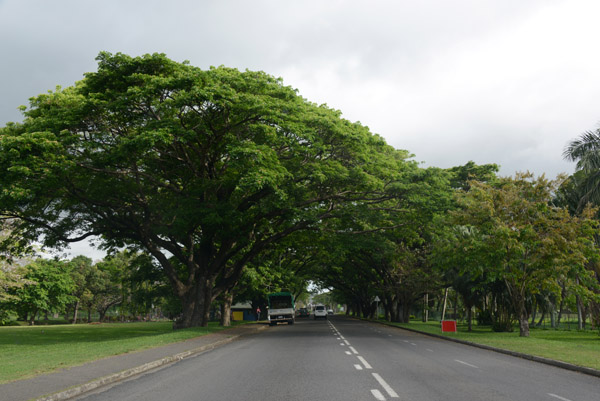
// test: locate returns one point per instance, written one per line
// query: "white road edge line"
(346, 341)
(378, 396)
(385, 386)
(364, 362)
(467, 364)
(559, 397)
(357, 366)
(354, 351)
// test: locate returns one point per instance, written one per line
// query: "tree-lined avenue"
(346, 359)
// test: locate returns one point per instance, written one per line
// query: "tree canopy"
(202, 169)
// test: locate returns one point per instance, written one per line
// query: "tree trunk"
(560, 308)
(456, 305)
(426, 307)
(445, 304)
(579, 314)
(394, 310)
(539, 323)
(196, 302)
(76, 311)
(523, 322)
(406, 312)
(226, 309)
(470, 318)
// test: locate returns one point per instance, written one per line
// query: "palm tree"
(586, 152)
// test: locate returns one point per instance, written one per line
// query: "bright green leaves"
(212, 167)
(509, 232)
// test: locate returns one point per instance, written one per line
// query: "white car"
(320, 311)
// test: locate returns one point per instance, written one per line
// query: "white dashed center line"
(364, 362)
(385, 386)
(377, 394)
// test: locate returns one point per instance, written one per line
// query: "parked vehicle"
(330, 311)
(281, 308)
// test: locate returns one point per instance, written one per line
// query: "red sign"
(449, 325)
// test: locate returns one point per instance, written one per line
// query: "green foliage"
(210, 167)
(508, 232)
(49, 288)
(462, 175)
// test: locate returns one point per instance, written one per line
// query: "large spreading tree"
(202, 169)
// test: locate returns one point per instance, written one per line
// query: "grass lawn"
(580, 348)
(28, 351)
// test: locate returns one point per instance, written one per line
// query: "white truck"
(281, 308)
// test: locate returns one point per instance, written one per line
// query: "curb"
(126, 374)
(540, 359)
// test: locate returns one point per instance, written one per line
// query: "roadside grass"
(580, 348)
(33, 350)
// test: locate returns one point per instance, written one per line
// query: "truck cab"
(281, 308)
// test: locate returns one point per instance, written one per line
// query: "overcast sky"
(505, 81)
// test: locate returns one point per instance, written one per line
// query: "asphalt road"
(344, 359)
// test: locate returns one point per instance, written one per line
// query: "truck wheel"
(290, 322)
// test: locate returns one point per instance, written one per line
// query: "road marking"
(405, 341)
(354, 351)
(389, 335)
(413, 344)
(465, 363)
(348, 353)
(337, 338)
(360, 358)
(342, 344)
(346, 341)
(558, 397)
(377, 394)
(357, 366)
(342, 337)
(385, 386)
(430, 350)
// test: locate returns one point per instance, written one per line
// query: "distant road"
(343, 360)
